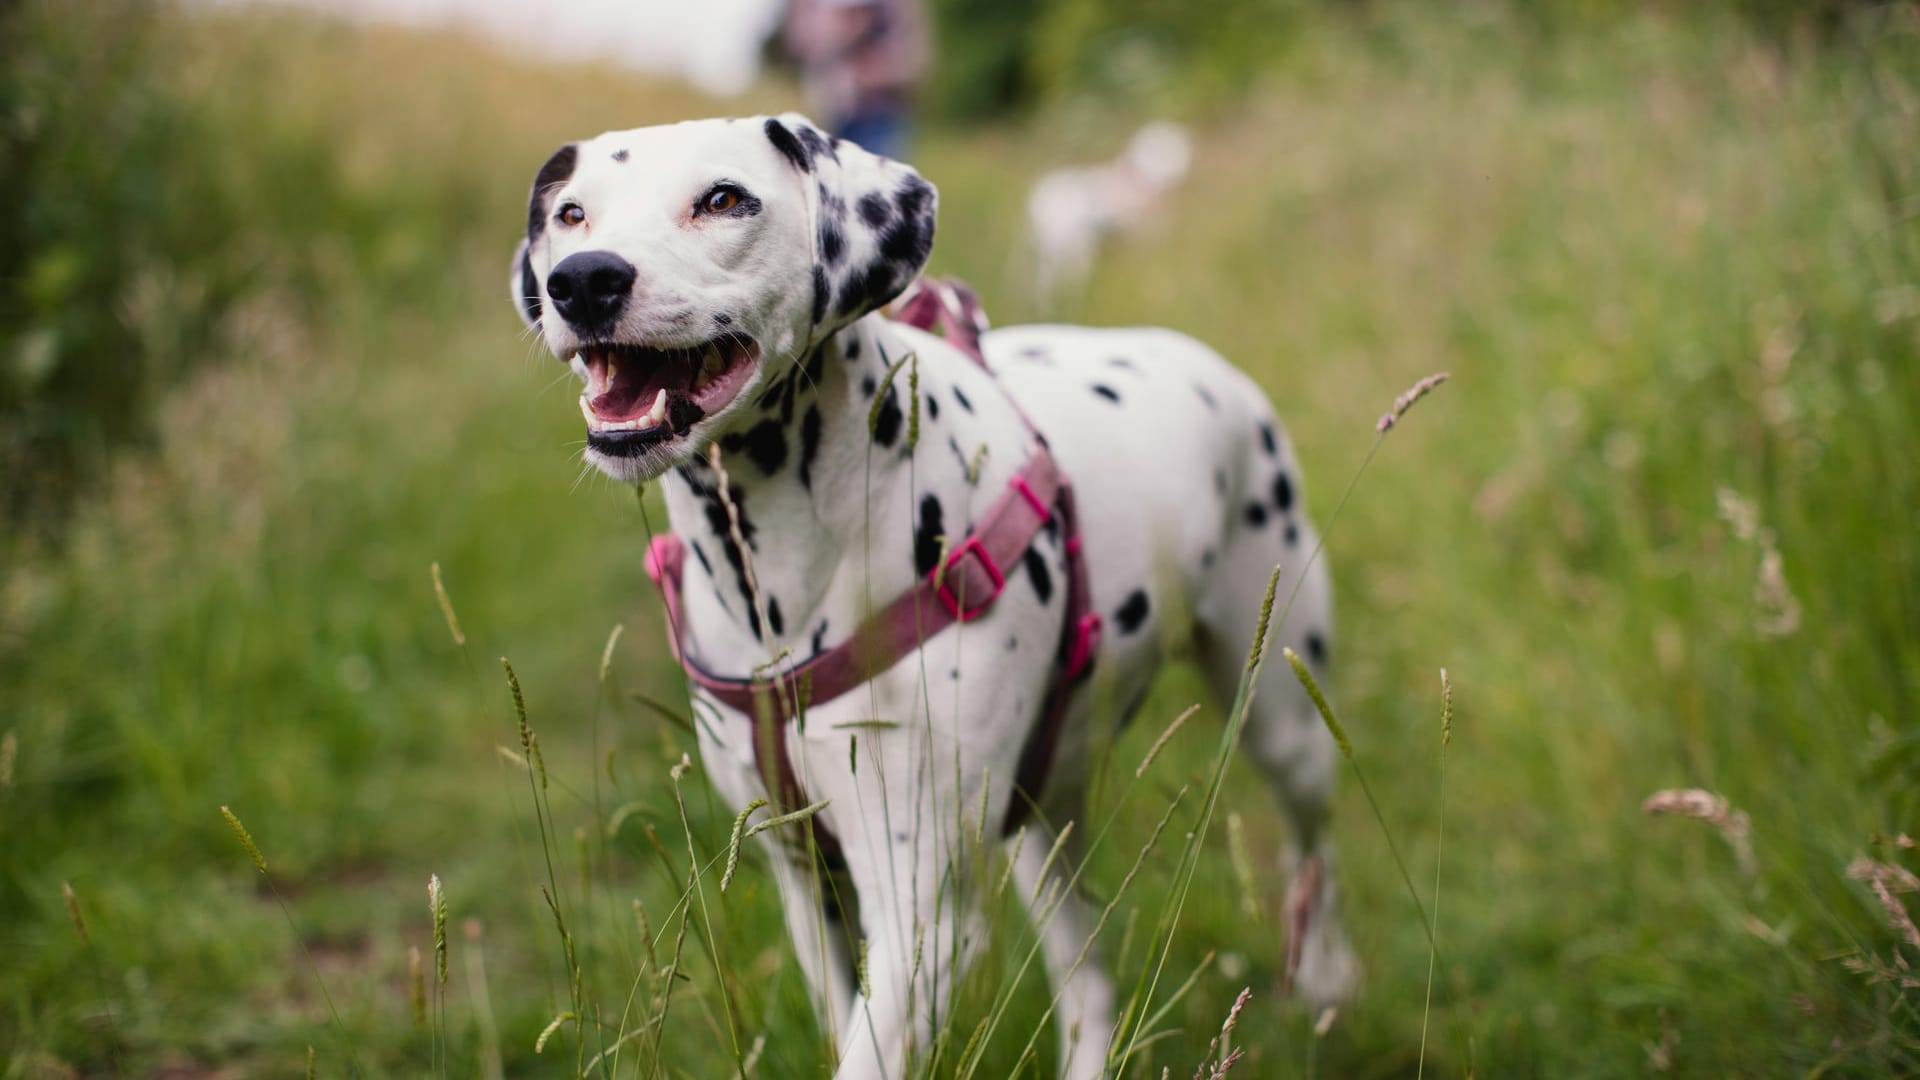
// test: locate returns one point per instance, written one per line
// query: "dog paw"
(1321, 968)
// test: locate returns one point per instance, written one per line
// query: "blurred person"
(861, 62)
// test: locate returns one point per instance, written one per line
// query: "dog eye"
(720, 200)
(570, 215)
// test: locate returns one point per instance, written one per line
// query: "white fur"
(1165, 465)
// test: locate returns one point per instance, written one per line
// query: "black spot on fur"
(718, 524)
(960, 396)
(1256, 514)
(875, 210)
(809, 445)
(1036, 565)
(1283, 493)
(906, 240)
(774, 620)
(833, 244)
(558, 170)
(767, 447)
(1120, 362)
(529, 287)
(866, 289)
(700, 554)
(721, 318)
(966, 467)
(820, 292)
(926, 537)
(1205, 396)
(683, 414)
(853, 348)
(820, 638)
(1292, 534)
(1267, 442)
(867, 386)
(816, 366)
(1220, 481)
(789, 147)
(620, 154)
(933, 407)
(915, 197)
(1207, 557)
(1133, 612)
(1107, 392)
(1013, 643)
(886, 427)
(1316, 648)
(815, 144)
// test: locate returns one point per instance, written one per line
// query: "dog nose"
(590, 288)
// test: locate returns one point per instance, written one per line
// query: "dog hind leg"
(1083, 1019)
(1284, 737)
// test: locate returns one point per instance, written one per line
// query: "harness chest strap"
(960, 590)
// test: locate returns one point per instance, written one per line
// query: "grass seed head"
(416, 986)
(606, 654)
(437, 907)
(1154, 750)
(1242, 866)
(1405, 401)
(73, 913)
(1259, 649)
(9, 747)
(1703, 805)
(519, 708)
(1446, 708)
(733, 843)
(1319, 702)
(540, 1044)
(246, 841)
(446, 607)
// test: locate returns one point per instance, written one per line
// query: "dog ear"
(524, 284)
(873, 220)
(524, 287)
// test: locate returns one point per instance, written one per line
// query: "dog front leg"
(813, 905)
(915, 941)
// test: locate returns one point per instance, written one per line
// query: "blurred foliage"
(139, 243)
(114, 220)
(1171, 56)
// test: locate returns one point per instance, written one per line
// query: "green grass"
(1659, 259)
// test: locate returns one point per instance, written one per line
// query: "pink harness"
(962, 589)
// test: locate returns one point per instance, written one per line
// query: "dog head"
(679, 268)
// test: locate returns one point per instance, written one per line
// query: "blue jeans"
(881, 130)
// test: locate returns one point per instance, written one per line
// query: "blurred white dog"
(1071, 209)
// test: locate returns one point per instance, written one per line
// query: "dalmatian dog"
(717, 287)
(1071, 210)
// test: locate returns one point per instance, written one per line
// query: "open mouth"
(638, 396)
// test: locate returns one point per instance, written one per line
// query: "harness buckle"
(952, 602)
(1086, 641)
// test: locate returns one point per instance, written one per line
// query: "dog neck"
(807, 487)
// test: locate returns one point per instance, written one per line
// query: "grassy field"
(1659, 528)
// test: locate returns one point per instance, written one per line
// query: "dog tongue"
(622, 395)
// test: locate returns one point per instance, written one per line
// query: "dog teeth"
(659, 411)
(711, 361)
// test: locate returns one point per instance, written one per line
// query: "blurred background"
(259, 372)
